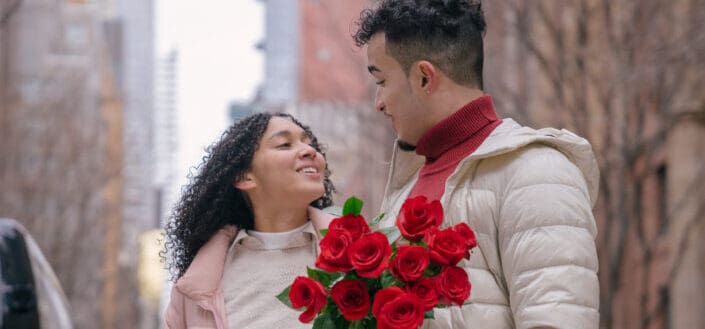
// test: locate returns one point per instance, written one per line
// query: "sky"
(218, 64)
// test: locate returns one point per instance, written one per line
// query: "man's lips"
(391, 118)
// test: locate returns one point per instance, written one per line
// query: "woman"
(247, 226)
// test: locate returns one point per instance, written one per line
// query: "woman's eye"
(284, 145)
(380, 83)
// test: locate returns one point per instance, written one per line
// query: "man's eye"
(380, 83)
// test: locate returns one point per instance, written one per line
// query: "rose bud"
(309, 293)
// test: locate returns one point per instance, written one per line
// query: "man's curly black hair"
(447, 33)
(211, 200)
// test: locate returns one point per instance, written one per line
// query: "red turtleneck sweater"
(450, 141)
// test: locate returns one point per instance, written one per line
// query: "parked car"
(31, 294)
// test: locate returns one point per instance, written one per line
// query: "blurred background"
(106, 106)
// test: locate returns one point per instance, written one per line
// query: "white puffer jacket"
(528, 195)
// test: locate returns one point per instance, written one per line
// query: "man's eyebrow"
(373, 68)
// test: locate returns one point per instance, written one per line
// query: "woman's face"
(285, 167)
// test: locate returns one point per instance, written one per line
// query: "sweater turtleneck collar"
(457, 128)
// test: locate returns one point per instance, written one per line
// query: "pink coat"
(197, 297)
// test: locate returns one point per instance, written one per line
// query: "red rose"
(446, 247)
(370, 254)
(383, 297)
(453, 285)
(425, 290)
(396, 309)
(467, 233)
(352, 298)
(356, 225)
(307, 293)
(417, 216)
(334, 251)
(409, 263)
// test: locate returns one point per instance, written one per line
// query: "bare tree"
(59, 169)
(53, 178)
(627, 75)
(7, 9)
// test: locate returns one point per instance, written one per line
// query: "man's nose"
(379, 104)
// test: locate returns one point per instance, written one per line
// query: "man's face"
(395, 96)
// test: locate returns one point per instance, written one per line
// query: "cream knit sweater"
(257, 268)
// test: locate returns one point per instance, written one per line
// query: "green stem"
(357, 324)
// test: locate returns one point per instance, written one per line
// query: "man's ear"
(246, 182)
(426, 76)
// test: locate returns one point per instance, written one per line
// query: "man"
(528, 194)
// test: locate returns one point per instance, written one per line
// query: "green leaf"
(333, 210)
(392, 233)
(325, 278)
(324, 321)
(352, 275)
(284, 297)
(352, 206)
(432, 270)
(324, 232)
(338, 320)
(388, 280)
(429, 315)
(372, 285)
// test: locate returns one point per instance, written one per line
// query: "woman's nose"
(307, 151)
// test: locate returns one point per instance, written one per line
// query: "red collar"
(457, 128)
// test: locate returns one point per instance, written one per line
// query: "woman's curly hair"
(211, 200)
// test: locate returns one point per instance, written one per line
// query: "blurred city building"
(78, 145)
(166, 183)
(314, 71)
(140, 212)
(132, 42)
(239, 110)
(165, 134)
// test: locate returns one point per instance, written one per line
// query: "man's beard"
(406, 147)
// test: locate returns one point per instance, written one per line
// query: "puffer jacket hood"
(507, 137)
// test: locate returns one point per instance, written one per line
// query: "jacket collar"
(203, 277)
(507, 137)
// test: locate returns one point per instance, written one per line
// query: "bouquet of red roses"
(391, 278)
